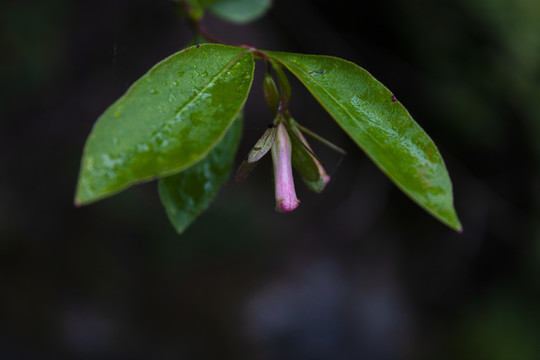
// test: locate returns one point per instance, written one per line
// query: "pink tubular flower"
(286, 200)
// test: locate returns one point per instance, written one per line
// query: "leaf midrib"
(210, 83)
(413, 196)
(161, 127)
(179, 111)
(338, 104)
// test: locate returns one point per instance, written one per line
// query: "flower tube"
(286, 200)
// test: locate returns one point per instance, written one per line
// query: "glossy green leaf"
(381, 126)
(167, 121)
(240, 11)
(187, 194)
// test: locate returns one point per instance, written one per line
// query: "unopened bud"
(271, 93)
(284, 86)
(324, 178)
(286, 200)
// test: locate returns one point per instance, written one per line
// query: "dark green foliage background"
(358, 271)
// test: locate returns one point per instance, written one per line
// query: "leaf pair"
(170, 122)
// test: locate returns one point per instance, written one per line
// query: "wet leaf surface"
(371, 115)
(167, 121)
(187, 194)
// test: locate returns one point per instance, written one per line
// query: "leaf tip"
(78, 201)
(454, 223)
(244, 170)
(458, 228)
(180, 229)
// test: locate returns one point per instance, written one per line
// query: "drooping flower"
(286, 200)
(289, 148)
(277, 140)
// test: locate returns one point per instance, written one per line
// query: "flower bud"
(284, 86)
(286, 200)
(323, 177)
(271, 93)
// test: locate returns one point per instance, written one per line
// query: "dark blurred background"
(358, 272)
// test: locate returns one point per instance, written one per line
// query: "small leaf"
(263, 145)
(187, 194)
(240, 11)
(381, 126)
(167, 121)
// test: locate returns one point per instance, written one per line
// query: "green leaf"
(381, 126)
(263, 145)
(167, 121)
(187, 194)
(240, 11)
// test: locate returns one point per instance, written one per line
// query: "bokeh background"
(358, 272)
